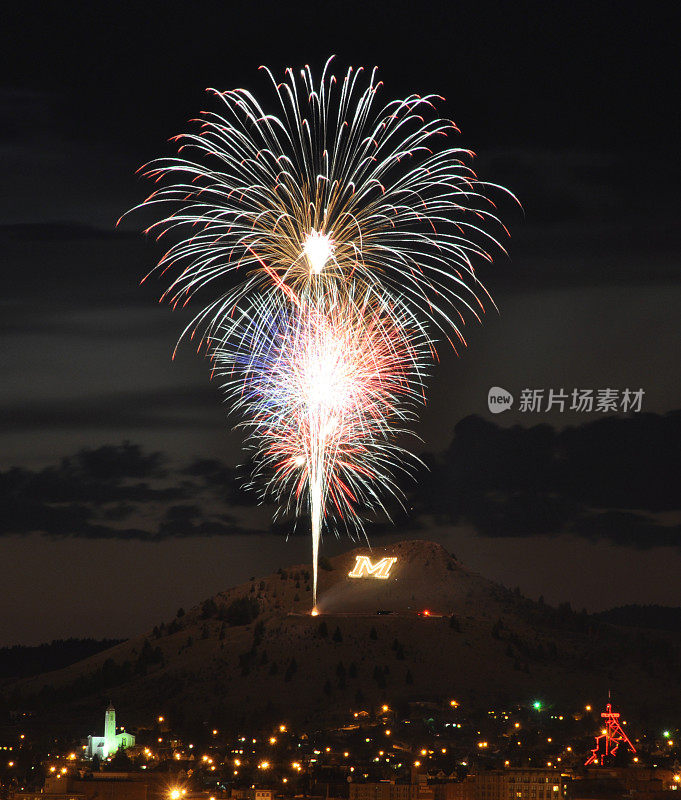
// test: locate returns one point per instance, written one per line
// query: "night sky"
(572, 106)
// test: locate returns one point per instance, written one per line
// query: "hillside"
(254, 652)
(663, 618)
(20, 660)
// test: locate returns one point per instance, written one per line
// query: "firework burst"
(323, 238)
(323, 392)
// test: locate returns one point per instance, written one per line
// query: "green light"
(537, 705)
(666, 734)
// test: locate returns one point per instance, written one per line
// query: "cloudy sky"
(569, 106)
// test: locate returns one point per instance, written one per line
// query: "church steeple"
(110, 745)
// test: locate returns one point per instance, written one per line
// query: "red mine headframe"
(610, 739)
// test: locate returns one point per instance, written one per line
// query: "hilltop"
(254, 652)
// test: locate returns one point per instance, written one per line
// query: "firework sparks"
(326, 237)
(323, 393)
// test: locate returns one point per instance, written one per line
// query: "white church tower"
(110, 743)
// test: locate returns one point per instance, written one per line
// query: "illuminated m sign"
(365, 569)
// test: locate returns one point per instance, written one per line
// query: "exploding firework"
(332, 188)
(320, 240)
(323, 392)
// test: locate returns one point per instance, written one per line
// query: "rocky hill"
(255, 653)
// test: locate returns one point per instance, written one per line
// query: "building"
(383, 790)
(517, 783)
(456, 790)
(99, 786)
(642, 783)
(111, 742)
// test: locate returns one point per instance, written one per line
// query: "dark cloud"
(114, 463)
(187, 520)
(540, 481)
(20, 516)
(602, 480)
(228, 482)
(627, 529)
(96, 493)
(129, 409)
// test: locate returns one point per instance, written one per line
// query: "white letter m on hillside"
(365, 569)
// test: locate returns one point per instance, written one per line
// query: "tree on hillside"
(291, 670)
(241, 611)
